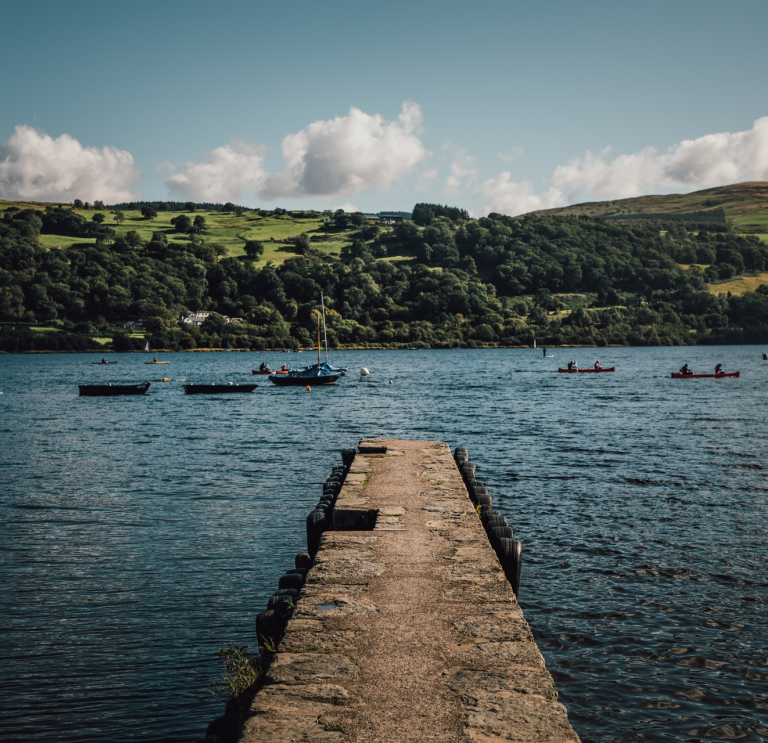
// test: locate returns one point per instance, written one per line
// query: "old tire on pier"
(510, 552)
(291, 580)
(316, 524)
(497, 534)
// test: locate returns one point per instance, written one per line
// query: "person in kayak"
(104, 361)
(571, 365)
(284, 367)
(154, 360)
(686, 370)
(597, 364)
(719, 369)
(263, 367)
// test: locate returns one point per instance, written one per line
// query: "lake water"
(139, 534)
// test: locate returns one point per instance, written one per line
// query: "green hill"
(69, 282)
(229, 230)
(743, 206)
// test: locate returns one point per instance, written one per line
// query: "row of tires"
(508, 549)
(270, 624)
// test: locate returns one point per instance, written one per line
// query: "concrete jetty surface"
(406, 628)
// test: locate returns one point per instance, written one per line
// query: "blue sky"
(503, 101)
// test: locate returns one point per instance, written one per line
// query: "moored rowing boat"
(112, 390)
(584, 371)
(678, 375)
(210, 389)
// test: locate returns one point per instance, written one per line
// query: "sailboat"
(320, 373)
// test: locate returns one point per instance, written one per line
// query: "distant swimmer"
(597, 364)
(719, 369)
(572, 365)
(686, 370)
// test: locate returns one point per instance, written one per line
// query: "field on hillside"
(739, 286)
(745, 206)
(226, 229)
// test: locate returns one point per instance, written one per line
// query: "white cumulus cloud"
(513, 154)
(348, 207)
(224, 175)
(340, 157)
(37, 167)
(424, 181)
(693, 164)
(690, 165)
(463, 173)
(505, 196)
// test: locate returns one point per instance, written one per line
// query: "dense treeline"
(496, 280)
(423, 214)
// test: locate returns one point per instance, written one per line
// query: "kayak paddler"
(154, 360)
(104, 361)
(685, 370)
(719, 369)
(284, 367)
(263, 366)
(571, 365)
(597, 364)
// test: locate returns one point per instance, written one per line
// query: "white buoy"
(364, 372)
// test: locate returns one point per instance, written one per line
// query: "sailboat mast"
(318, 341)
(325, 332)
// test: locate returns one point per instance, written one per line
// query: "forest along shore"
(440, 280)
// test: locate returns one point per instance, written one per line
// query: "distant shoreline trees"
(496, 280)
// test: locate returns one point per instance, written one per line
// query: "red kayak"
(269, 371)
(678, 375)
(585, 371)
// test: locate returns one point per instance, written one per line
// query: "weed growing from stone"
(240, 672)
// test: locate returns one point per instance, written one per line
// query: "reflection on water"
(140, 534)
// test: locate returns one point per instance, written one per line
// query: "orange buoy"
(309, 389)
(165, 379)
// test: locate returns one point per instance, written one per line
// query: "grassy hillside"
(225, 229)
(745, 206)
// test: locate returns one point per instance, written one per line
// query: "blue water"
(140, 534)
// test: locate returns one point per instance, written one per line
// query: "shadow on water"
(140, 534)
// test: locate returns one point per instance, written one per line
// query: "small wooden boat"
(270, 371)
(156, 362)
(215, 389)
(678, 375)
(111, 390)
(103, 363)
(587, 370)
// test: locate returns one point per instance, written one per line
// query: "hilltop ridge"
(744, 206)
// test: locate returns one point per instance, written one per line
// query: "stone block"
(306, 668)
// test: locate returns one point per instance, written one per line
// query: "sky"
(490, 106)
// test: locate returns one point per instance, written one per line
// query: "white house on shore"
(198, 318)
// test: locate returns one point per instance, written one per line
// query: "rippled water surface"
(140, 534)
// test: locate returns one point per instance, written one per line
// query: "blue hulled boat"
(309, 375)
(319, 373)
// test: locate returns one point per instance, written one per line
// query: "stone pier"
(406, 628)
